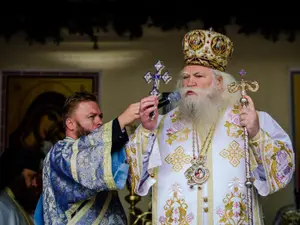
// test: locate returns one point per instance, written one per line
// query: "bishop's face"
(200, 92)
(201, 77)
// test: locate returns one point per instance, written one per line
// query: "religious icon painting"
(32, 104)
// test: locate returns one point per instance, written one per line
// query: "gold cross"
(178, 158)
(243, 86)
(234, 153)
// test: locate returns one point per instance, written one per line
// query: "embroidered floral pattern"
(233, 123)
(280, 165)
(177, 131)
(257, 152)
(174, 116)
(233, 130)
(132, 160)
(234, 115)
(235, 208)
(178, 136)
(278, 160)
(175, 209)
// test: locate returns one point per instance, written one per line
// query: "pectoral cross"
(157, 77)
(243, 86)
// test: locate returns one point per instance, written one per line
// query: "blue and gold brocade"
(81, 178)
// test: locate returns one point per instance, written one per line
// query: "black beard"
(26, 197)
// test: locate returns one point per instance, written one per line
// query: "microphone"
(172, 97)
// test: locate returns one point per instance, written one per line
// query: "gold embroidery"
(277, 166)
(236, 109)
(268, 147)
(178, 158)
(175, 209)
(174, 117)
(278, 160)
(107, 171)
(73, 160)
(233, 130)
(178, 136)
(234, 153)
(234, 210)
(130, 150)
(134, 163)
(255, 149)
(131, 154)
(132, 137)
(177, 131)
(131, 157)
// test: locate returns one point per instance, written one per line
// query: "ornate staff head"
(243, 86)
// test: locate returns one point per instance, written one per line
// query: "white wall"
(123, 64)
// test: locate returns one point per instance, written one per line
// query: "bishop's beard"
(202, 109)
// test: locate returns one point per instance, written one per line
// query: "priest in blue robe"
(83, 172)
(20, 186)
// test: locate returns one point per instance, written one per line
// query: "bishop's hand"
(249, 118)
(148, 105)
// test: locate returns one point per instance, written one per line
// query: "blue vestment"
(11, 212)
(80, 181)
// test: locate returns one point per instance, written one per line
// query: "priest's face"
(29, 189)
(86, 118)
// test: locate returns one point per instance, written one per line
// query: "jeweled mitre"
(207, 48)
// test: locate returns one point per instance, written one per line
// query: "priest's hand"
(130, 115)
(147, 106)
(249, 118)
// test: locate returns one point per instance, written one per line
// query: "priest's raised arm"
(83, 172)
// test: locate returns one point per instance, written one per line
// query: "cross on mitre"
(157, 77)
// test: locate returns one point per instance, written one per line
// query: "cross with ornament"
(156, 77)
(243, 86)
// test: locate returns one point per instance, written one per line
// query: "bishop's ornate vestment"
(161, 161)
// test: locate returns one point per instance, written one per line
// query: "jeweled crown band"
(207, 48)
